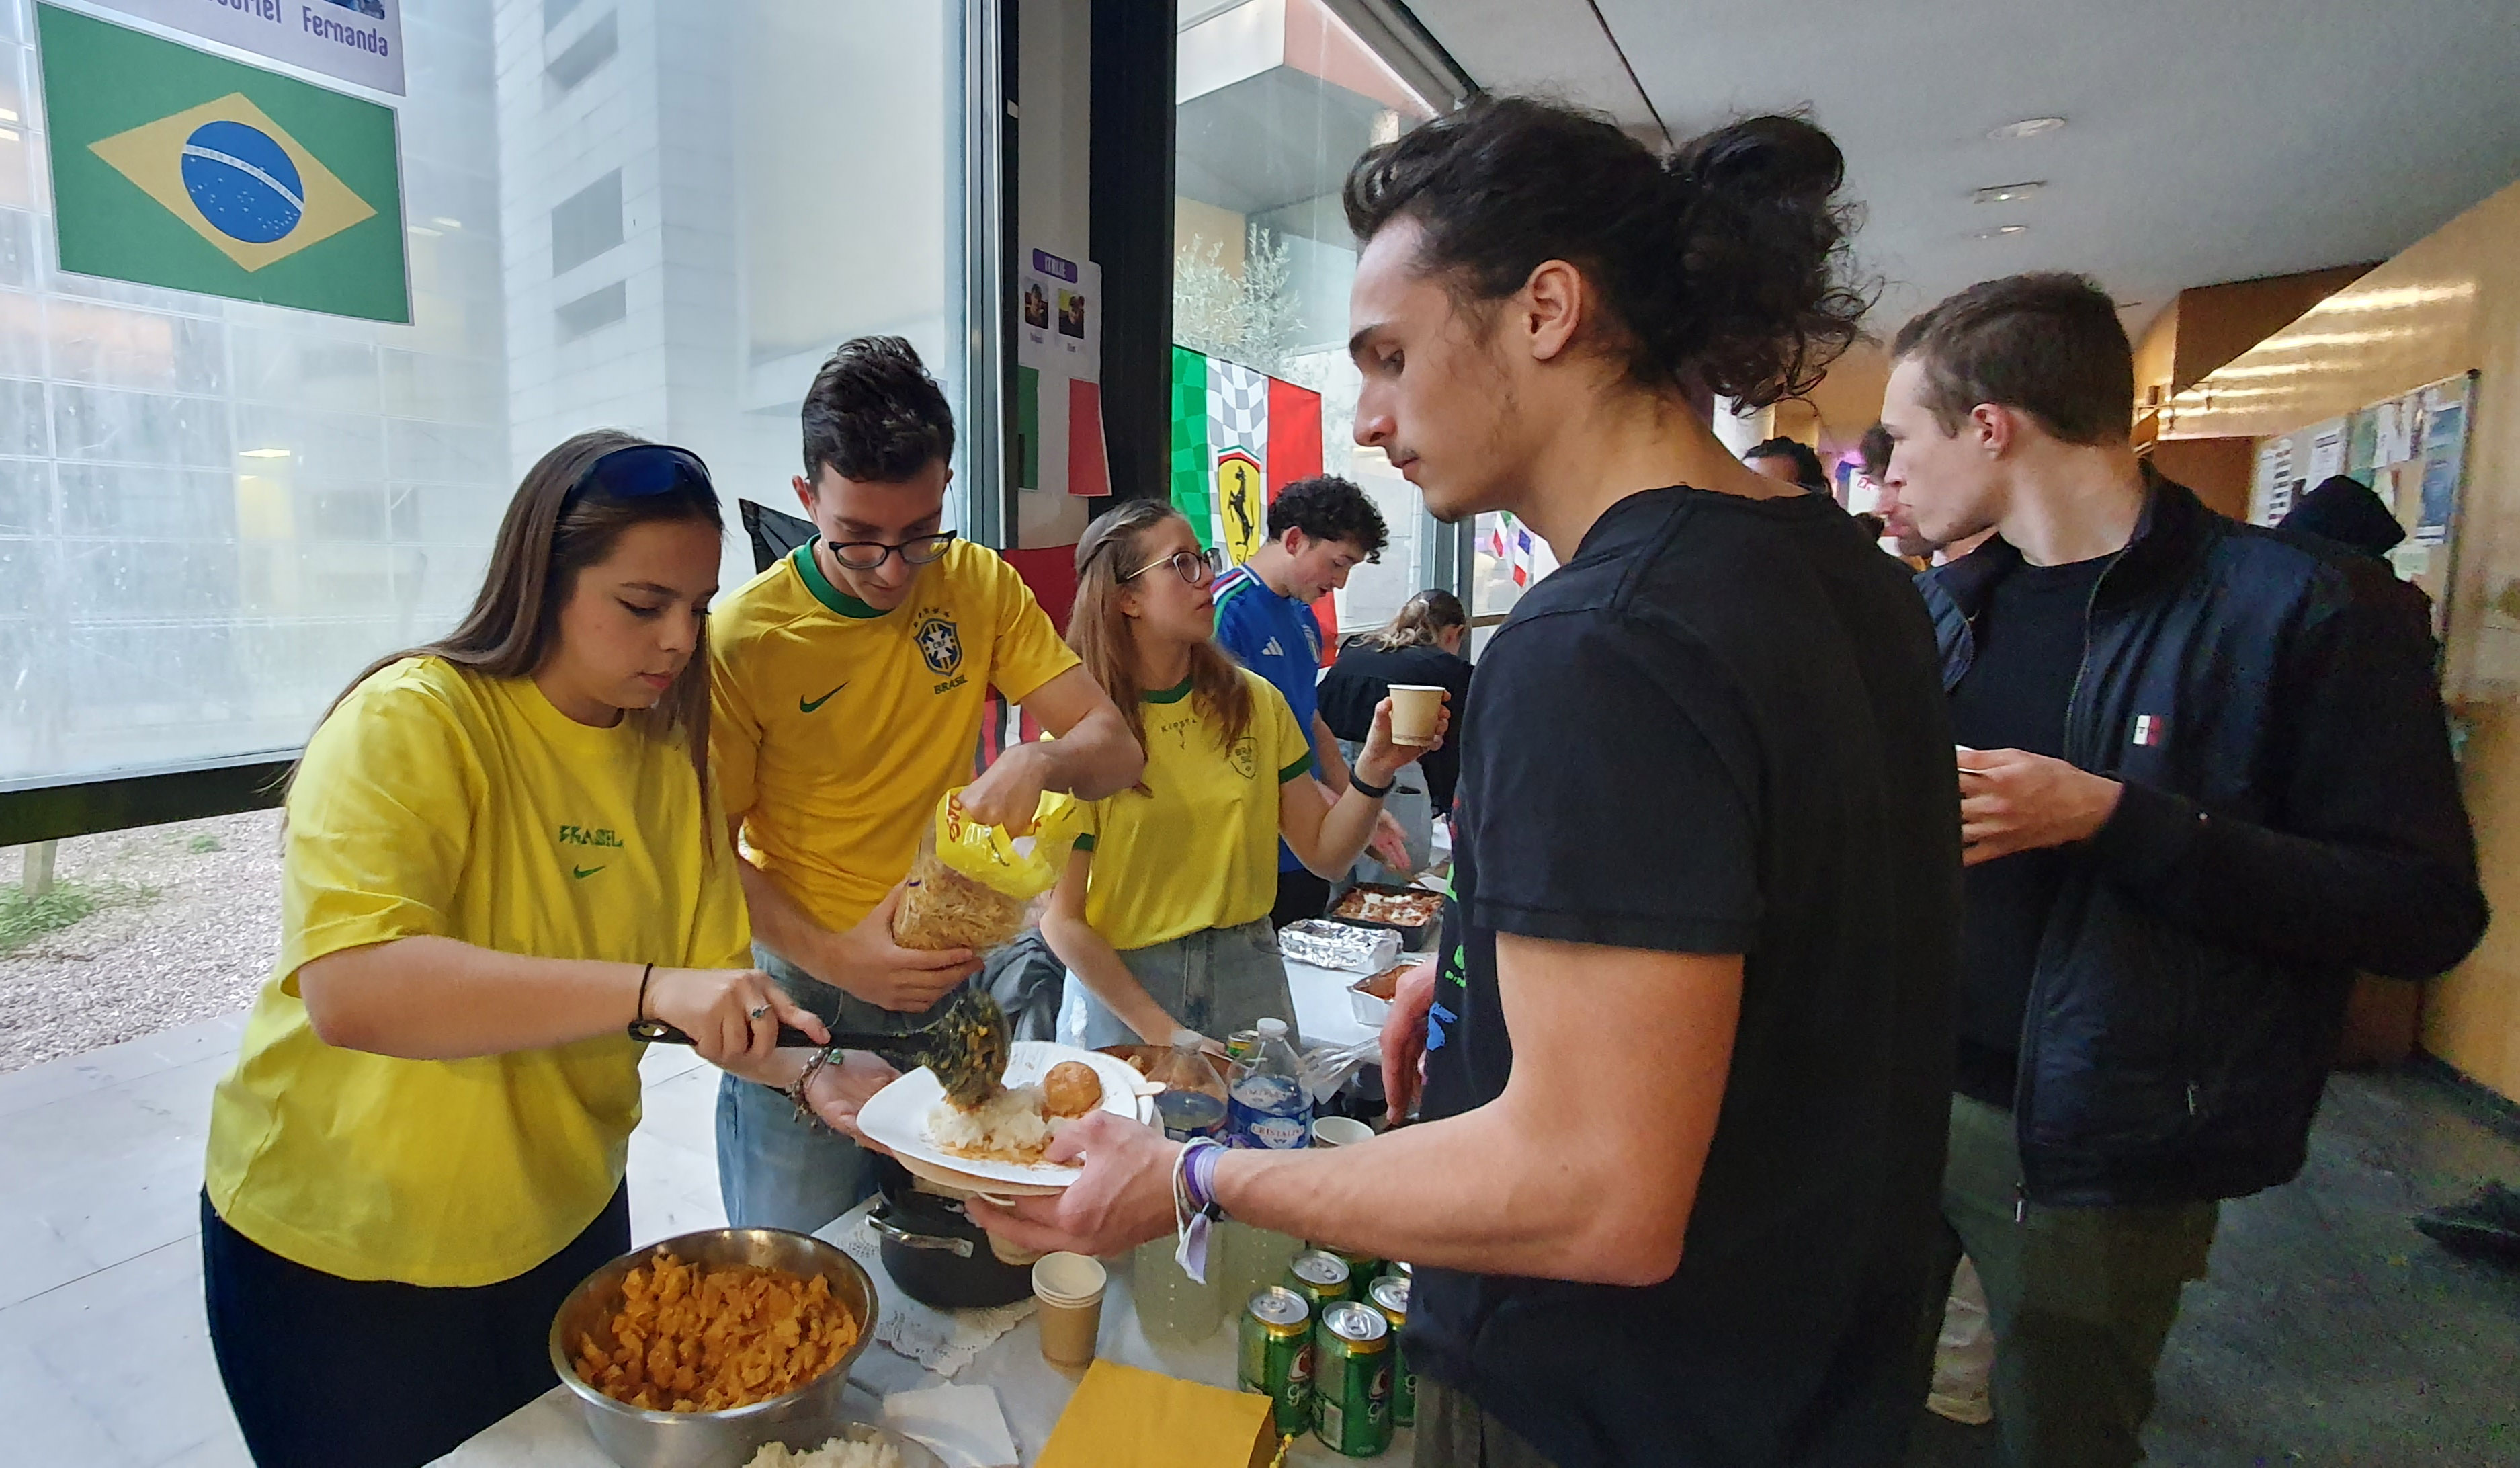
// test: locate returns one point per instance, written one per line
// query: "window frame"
(116, 799)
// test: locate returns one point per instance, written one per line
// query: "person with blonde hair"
(1162, 916)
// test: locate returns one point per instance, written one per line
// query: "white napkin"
(963, 1425)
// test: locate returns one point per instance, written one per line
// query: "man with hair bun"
(2205, 777)
(849, 681)
(1687, 1053)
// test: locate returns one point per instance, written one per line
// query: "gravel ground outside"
(199, 948)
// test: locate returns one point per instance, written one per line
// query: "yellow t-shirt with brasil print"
(839, 727)
(441, 801)
(1199, 849)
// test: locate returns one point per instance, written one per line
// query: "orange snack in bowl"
(693, 1338)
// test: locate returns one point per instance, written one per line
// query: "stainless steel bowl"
(803, 1418)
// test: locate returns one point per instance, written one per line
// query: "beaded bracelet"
(804, 1079)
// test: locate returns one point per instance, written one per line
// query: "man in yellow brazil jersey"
(849, 685)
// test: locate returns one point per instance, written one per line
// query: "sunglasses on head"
(640, 470)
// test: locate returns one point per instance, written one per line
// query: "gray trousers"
(1453, 1432)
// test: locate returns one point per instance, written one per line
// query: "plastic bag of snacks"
(972, 884)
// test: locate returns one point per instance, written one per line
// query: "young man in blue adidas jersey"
(1320, 529)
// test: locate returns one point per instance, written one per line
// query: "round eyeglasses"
(1199, 568)
(870, 555)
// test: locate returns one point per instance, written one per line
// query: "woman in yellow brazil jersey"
(1162, 916)
(499, 853)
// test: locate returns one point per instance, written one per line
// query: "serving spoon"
(967, 1045)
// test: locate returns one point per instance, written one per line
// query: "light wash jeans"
(1215, 981)
(775, 1171)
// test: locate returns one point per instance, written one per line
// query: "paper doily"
(942, 1341)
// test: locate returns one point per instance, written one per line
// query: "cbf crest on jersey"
(940, 644)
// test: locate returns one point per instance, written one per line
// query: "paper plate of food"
(998, 1146)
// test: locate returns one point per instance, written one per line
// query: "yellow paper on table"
(1122, 1417)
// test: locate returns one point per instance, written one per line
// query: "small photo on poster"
(1036, 306)
(1071, 314)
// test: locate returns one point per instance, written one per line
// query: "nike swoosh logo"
(807, 706)
(584, 872)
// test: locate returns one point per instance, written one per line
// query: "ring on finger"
(759, 1013)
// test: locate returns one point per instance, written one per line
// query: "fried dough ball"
(1071, 1089)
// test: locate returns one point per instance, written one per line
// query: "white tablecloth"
(550, 1431)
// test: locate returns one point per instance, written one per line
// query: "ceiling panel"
(2205, 143)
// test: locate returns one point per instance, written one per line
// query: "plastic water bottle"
(1266, 1106)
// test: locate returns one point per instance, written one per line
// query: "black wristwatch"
(1377, 792)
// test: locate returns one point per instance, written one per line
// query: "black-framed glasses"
(1199, 568)
(639, 470)
(870, 555)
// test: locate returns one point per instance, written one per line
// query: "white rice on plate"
(1010, 1127)
(840, 1453)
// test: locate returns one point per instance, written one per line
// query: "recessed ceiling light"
(2027, 127)
(2012, 192)
(265, 453)
(442, 222)
(425, 231)
(2001, 231)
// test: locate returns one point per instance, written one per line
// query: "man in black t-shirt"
(2205, 776)
(1688, 1061)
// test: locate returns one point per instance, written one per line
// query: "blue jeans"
(775, 1171)
(1215, 981)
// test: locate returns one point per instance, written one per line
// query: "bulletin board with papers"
(2410, 450)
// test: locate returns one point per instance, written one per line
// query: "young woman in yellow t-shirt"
(499, 853)
(1162, 916)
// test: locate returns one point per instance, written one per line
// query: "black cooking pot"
(934, 1251)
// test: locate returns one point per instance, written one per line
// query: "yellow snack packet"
(1022, 865)
(972, 882)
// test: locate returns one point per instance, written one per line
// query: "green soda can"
(1361, 1268)
(1241, 1048)
(1390, 1295)
(1352, 1394)
(1277, 1358)
(1321, 1278)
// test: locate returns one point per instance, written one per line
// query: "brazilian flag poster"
(173, 168)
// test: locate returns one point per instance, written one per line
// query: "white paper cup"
(1069, 1287)
(1340, 1131)
(1414, 710)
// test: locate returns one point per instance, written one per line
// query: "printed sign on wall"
(173, 168)
(359, 41)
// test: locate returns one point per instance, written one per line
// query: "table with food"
(902, 1336)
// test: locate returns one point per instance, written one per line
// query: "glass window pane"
(1278, 100)
(634, 213)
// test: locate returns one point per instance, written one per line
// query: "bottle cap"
(1187, 1040)
(1273, 1029)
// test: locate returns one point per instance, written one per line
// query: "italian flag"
(1239, 436)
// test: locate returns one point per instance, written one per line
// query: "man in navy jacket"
(2204, 777)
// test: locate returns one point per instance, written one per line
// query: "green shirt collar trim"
(823, 591)
(1173, 695)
